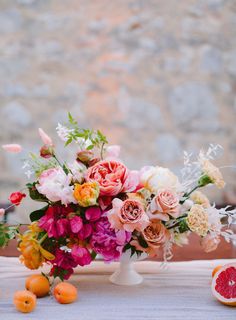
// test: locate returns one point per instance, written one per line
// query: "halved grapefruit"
(224, 284)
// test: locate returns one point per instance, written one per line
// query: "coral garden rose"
(157, 178)
(163, 205)
(113, 177)
(155, 234)
(87, 193)
(55, 185)
(128, 215)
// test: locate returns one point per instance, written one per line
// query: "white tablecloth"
(180, 292)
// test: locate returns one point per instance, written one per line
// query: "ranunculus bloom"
(12, 148)
(108, 242)
(128, 215)
(55, 221)
(157, 178)
(87, 193)
(113, 177)
(16, 197)
(210, 242)
(163, 205)
(155, 235)
(55, 185)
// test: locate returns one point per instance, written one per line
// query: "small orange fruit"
(38, 284)
(24, 301)
(65, 292)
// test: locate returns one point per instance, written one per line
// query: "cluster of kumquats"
(38, 286)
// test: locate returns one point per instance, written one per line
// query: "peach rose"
(127, 215)
(86, 194)
(210, 242)
(113, 177)
(155, 235)
(163, 205)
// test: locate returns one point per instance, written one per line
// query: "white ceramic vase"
(126, 275)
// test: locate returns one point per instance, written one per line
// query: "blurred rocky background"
(157, 77)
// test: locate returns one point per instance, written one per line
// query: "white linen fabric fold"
(181, 291)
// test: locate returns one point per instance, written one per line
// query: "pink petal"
(76, 224)
(93, 213)
(45, 138)
(12, 148)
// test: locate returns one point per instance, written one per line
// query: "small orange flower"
(87, 193)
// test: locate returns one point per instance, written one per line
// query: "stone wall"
(156, 76)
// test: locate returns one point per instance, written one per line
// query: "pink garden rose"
(113, 177)
(107, 241)
(210, 242)
(163, 205)
(128, 215)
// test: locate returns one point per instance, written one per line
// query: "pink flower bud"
(46, 151)
(2, 212)
(84, 156)
(45, 138)
(12, 148)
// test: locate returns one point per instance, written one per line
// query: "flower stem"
(186, 195)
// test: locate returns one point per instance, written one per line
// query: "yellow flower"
(212, 173)
(197, 220)
(199, 198)
(33, 254)
(87, 193)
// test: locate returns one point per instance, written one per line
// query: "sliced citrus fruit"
(224, 284)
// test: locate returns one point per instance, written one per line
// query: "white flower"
(156, 178)
(63, 132)
(55, 185)
(214, 219)
(78, 169)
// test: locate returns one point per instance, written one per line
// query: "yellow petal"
(46, 254)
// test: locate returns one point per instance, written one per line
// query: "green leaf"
(34, 194)
(3, 240)
(37, 214)
(183, 226)
(90, 147)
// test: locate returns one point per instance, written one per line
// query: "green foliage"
(183, 226)
(7, 233)
(34, 194)
(96, 138)
(37, 214)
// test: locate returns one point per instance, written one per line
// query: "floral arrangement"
(95, 205)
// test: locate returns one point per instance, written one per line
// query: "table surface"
(182, 290)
